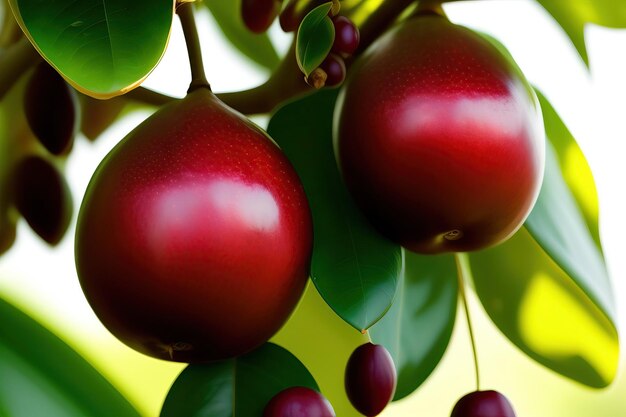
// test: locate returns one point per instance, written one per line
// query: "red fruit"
(194, 238)
(439, 138)
(258, 15)
(483, 404)
(51, 107)
(370, 379)
(299, 402)
(346, 36)
(335, 69)
(43, 198)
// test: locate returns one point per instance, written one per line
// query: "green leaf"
(257, 47)
(574, 15)
(315, 38)
(241, 386)
(547, 288)
(354, 268)
(42, 376)
(574, 167)
(103, 48)
(559, 228)
(417, 328)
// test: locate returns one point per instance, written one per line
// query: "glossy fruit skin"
(347, 36)
(370, 379)
(335, 69)
(258, 15)
(43, 198)
(483, 404)
(51, 109)
(298, 402)
(194, 238)
(439, 138)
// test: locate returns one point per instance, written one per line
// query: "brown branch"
(286, 82)
(380, 21)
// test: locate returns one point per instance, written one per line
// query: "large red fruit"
(194, 237)
(439, 138)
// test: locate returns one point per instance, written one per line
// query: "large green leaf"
(574, 15)
(315, 38)
(547, 288)
(257, 47)
(239, 387)
(576, 171)
(42, 376)
(559, 228)
(102, 47)
(354, 268)
(417, 328)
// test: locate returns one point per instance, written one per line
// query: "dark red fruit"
(439, 138)
(370, 379)
(299, 402)
(335, 69)
(51, 108)
(483, 404)
(258, 15)
(194, 238)
(43, 198)
(346, 36)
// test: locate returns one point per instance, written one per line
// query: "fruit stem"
(188, 22)
(462, 265)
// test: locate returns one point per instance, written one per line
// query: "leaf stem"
(462, 265)
(188, 22)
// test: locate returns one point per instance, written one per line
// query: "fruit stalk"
(188, 22)
(462, 264)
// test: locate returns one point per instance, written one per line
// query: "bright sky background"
(592, 104)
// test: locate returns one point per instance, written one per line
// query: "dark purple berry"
(483, 404)
(51, 108)
(43, 198)
(335, 69)
(299, 402)
(346, 36)
(258, 15)
(370, 379)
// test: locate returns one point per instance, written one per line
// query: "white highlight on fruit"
(252, 204)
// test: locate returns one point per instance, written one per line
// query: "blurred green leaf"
(558, 226)
(257, 47)
(417, 328)
(42, 376)
(574, 15)
(574, 167)
(323, 342)
(547, 288)
(315, 38)
(354, 268)
(245, 384)
(102, 47)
